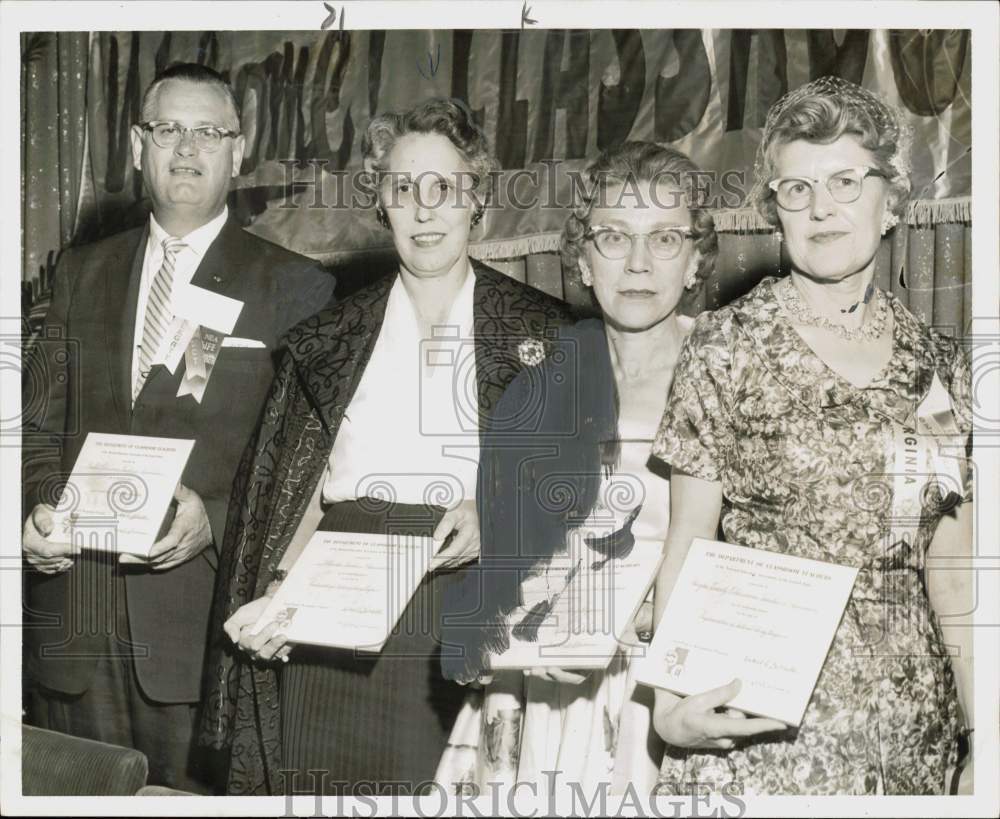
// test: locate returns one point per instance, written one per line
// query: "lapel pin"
(217, 279)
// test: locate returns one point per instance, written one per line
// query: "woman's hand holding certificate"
(694, 722)
(345, 590)
(764, 617)
(269, 643)
(462, 525)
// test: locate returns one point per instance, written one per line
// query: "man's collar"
(198, 240)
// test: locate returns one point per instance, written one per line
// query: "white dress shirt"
(411, 431)
(185, 266)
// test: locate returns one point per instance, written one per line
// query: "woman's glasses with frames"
(796, 192)
(613, 243)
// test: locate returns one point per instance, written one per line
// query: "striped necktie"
(159, 314)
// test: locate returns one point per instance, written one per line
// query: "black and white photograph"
(500, 408)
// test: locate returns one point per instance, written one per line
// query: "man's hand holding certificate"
(118, 493)
(189, 533)
(764, 618)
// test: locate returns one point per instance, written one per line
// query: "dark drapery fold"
(53, 144)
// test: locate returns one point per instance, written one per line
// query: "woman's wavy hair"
(629, 164)
(446, 116)
(822, 112)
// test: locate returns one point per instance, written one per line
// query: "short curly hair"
(822, 112)
(628, 164)
(445, 116)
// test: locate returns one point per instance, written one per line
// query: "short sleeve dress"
(813, 466)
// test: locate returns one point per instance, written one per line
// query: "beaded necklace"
(801, 313)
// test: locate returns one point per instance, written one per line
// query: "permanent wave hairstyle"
(448, 117)
(629, 164)
(823, 111)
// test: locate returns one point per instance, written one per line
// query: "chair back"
(54, 764)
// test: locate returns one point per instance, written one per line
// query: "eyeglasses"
(664, 244)
(206, 138)
(796, 192)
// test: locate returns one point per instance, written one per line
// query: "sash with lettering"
(926, 453)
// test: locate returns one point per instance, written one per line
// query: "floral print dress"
(809, 466)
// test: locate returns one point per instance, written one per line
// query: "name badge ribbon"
(199, 359)
(211, 318)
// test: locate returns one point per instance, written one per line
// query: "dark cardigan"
(544, 452)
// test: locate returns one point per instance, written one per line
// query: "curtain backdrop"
(547, 99)
(53, 147)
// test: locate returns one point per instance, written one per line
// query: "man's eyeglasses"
(612, 243)
(167, 134)
(796, 192)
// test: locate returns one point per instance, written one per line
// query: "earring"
(381, 216)
(779, 235)
(588, 280)
(889, 221)
(477, 216)
(691, 274)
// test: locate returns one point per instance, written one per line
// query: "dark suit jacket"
(318, 376)
(81, 369)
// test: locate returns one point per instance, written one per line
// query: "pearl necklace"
(871, 328)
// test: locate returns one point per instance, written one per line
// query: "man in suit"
(115, 644)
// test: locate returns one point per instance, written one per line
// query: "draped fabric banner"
(548, 101)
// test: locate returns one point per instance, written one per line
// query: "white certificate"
(119, 491)
(577, 610)
(764, 617)
(349, 590)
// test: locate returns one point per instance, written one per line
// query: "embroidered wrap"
(319, 373)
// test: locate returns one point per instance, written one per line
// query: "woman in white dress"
(593, 402)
